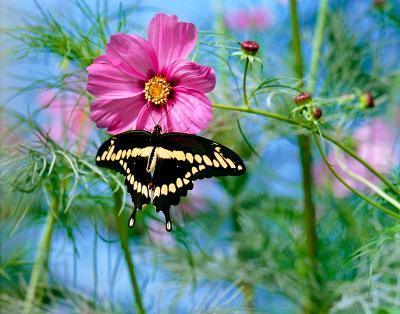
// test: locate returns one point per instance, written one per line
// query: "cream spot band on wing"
(221, 160)
(207, 160)
(172, 188)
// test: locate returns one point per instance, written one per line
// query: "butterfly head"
(157, 130)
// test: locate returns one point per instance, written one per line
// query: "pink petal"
(133, 55)
(191, 111)
(117, 115)
(107, 81)
(191, 75)
(171, 39)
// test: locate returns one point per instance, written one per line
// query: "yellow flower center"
(157, 89)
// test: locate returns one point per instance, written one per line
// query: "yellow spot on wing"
(164, 153)
(135, 185)
(189, 157)
(216, 164)
(188, 175)
(186, 181)
(172, 188)
(202, 167)
(139, 187)
(221, 160)
(132, 179)
(164, 189)
(144, 191)
(98, 158)
(145, 152)
(104, 155)
(118, 156)
(230, 162)
(194, 170)
(207, 160)
(110, 151)
(179, 155)
(179, 183)
(157, 191)
(198, 158)
(240, 167)
(123, 153)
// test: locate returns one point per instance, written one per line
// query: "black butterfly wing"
(183, 158)
(127, 153)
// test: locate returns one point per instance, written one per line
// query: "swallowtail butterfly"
(160, 168)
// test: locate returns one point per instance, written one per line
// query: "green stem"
(318, 38)
(310, 128)
(245, 98)
(304, 142)
(123, 234)
(364, 197)
(298, 59)
(41, 259)
(366, 182)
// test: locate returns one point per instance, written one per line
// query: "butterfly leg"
(132, 219)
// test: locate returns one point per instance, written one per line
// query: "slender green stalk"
(40, 264)
(123, 234)
(365, 181)
(364, 197)
(245, 98)
(310, 128)
(298, 59)
(304, 142)
(318, 38)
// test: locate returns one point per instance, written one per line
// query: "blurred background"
(238, 244)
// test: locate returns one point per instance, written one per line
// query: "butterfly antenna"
(149, 109)
(165, 114)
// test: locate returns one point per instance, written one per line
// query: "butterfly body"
(160, 168)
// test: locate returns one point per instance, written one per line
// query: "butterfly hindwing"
(127, 153)
(183, 158)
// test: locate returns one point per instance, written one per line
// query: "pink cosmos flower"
(142, 82)
(255, 19)
(375, 143)
(68, 123)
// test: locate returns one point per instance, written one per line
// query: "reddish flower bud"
(316, 112)
(302, 98)
(367, 100)
(250, 47)
(380, 4)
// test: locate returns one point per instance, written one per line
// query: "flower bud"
(316, 113)
(249, 47)
(302, 98)
(367, 100)
(380, 4)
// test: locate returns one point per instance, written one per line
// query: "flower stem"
(304, 142)
(317, 43)
(298, 59)
(41, 260)
(245, 98)
(366, 182)
(364, 197)
(123, 234)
